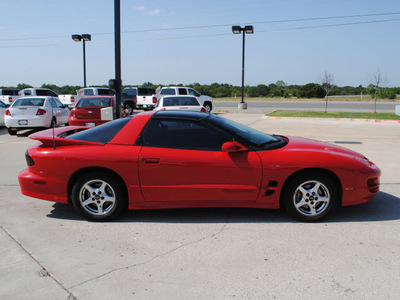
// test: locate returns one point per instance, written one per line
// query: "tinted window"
(180, 101)
(87, 102)
(88, 92)
(27, 92)
(182, 91)
(106, 92)
(146, 91)
(193, 93)
(183, 134)
(101, 134)
(2, 104)
(10, 92)
(53, 103)
(167, 92)
(130, 91)
(29, 102)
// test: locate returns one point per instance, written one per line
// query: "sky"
(185, 41)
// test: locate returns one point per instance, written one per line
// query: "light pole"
(237, 30)
(84, 38)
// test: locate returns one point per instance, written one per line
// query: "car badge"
(89, 111)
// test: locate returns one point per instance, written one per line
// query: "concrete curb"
(334, 119)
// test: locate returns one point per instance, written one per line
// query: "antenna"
(53, 123)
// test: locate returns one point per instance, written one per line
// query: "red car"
(87, 111)
(175, 159)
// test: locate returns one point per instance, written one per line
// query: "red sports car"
(175, 159)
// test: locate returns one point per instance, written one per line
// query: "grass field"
(320, 114)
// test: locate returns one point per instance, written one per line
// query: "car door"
(181, 160)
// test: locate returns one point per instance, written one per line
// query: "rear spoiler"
(50, 138)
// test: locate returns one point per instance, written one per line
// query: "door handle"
(151, 160)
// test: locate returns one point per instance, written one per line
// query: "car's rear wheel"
(12, 131)
(310, 197)
(129, 107)
(99, 196)
(207, 106)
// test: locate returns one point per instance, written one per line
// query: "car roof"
(98, 96)
(178, 114)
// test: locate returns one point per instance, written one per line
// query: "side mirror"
(233, 147)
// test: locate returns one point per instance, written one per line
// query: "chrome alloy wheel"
(311, 198)
(97, 197)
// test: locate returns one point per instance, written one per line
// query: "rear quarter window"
(167, 92)
(101, 134)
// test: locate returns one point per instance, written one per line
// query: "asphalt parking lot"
(48, 252)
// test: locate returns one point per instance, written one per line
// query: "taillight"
(154, 99)
(10, 99)
(72, 99)
(8, 113)
(163, 108)
(40, 112)
(29, 160)
(203, 109)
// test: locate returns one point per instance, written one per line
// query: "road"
(48, 252)
(343, 106)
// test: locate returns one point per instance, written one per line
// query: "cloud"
(155, 11)
(139, 8)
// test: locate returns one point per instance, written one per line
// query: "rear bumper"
(32, 122)
(36, 186)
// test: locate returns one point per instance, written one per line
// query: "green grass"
(346, 115)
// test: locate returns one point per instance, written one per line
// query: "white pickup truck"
(37, 92)
(8, 96)
(206, 101)
(70, 100)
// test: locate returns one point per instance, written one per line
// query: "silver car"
(35, 112)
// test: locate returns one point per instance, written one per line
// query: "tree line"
(274, 90)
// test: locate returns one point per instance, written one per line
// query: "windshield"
(254, 137)
(29, 102)
(87, 102)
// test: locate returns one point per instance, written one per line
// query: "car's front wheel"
(129, 106)
(208, 107)
(99, 196)
(310, 197)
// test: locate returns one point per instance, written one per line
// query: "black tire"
(99, 196)
(12, 131)
(129, 107)
(208, 107)
(310, 197)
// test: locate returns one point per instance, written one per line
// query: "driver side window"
(183, 134)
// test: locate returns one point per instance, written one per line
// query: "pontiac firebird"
(175, 159)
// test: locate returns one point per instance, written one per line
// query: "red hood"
(296, 143)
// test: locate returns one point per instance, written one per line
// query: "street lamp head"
(76, 37)
(86, 37)
(249, 29)
(236, 29)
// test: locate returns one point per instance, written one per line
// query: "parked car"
(176, 159)
(71, 100)
(87, 111)
(138, 97)
(8, 96)
(3, 108)
(179, 103)
(35, 112)
(205, 101)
